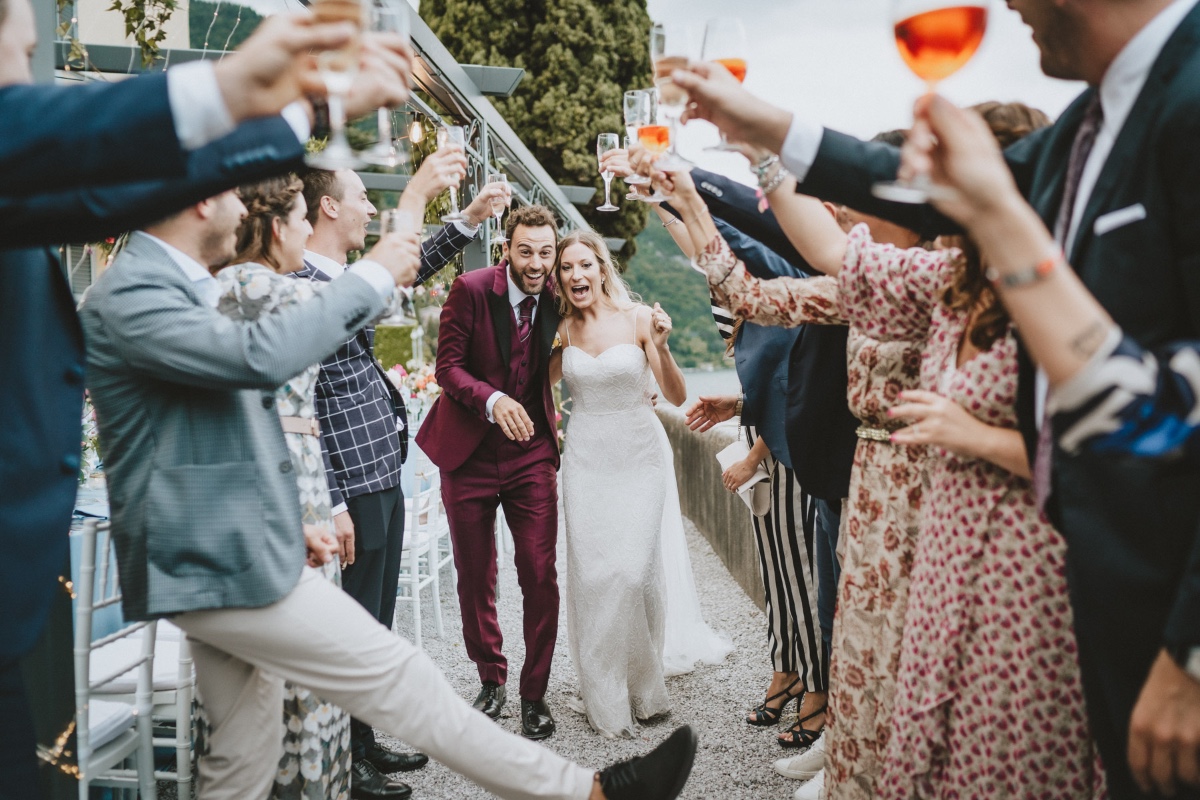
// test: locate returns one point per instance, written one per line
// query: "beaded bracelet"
(760, 169)
(779, 177)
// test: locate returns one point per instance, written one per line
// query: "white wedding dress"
(633, 616)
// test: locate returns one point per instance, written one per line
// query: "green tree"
(579, 57)
(220, 23)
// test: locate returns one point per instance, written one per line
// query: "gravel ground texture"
(733, 760)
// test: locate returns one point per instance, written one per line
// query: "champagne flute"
(605, 143)
(655, 137)
(452, 136)
(935, 38)
(499, 204)
(641, 105)
(633, 194)
(397, 221)
(725, 43)
(337, 69)
(672, 46)
(388, 16)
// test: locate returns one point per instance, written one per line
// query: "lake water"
(720, 381)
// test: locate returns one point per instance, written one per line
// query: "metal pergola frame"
(491, 142)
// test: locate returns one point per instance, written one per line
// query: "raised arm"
(654, 328)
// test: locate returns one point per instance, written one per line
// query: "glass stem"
(337, 118)
(607, 190)
(453, 200)
(385, 127)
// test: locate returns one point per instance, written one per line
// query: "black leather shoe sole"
(391, 762)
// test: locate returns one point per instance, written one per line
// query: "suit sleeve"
(56, 137)
(336, 498)
(438, 250)
(257, 150)
(459, 316)
(162, 332)
(761, 261)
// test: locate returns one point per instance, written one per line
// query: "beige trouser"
(319, 638)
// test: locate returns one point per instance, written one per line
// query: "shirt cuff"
(801, 146)
(491, 403)
(377, 275)
(466, 228)
(340, 508)
(196, 103)
(296, 116)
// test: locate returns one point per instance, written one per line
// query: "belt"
(307, 426)
(874, 434)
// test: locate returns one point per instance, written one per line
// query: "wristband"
(737, 409)
(1038, 272)
(670, 222)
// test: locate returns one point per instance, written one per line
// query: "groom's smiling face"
(531, 256)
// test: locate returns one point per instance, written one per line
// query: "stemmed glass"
(640, 107)
(607, 142)
(388, 16)
(337, 69)
(656, 137)
(633, 194)
(397, 221)
(935, 38)
(452, 136)
(672, 46)
(725, 43)
(499, 204)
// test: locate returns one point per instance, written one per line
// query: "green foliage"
(146, 22)
(393, 345)
(233, 24)
(661, 274)
(579, 56)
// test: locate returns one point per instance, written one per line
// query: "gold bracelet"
(737, 409)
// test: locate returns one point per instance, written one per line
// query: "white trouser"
(319, 638)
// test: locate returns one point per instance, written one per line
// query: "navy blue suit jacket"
(820, 428)
(42, 347)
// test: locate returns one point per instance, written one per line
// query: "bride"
(633, 617)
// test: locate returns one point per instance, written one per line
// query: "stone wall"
(721, 517)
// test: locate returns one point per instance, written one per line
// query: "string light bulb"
(416, 132)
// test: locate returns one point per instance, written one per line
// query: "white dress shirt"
(205, 284)
(372, 272)
(515, 297)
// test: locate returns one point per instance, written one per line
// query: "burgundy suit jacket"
(474, 347)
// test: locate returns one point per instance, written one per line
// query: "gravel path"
(733, 760)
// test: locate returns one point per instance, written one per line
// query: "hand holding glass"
(641, 105)
(672, 46)
(338, 69)
(452, 136)
(398, 221)
(499, 203)
(388, 16)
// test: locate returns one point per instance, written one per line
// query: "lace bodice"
(617, 380)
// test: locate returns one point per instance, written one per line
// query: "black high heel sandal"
(764, 715)
(800, 736)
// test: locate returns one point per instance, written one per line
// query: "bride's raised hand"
(660, 326)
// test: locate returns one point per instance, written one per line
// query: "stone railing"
(721, 517)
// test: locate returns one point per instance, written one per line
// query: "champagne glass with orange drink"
(337, 69)
(672, 47)
(725, 44)
(935, 40)
(640, 108)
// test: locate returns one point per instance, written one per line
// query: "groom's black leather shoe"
(368, 783)
(491, 699)
(389, 761)
(536, 720)
(658, 775)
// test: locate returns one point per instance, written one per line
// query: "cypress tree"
(579, 57)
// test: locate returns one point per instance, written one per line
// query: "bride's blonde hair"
(612, 284)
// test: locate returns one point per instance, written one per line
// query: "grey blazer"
(204, 502)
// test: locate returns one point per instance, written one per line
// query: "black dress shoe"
(658, 775)
(536, 721)
(389, 761)
(368, 783)
(491, 699)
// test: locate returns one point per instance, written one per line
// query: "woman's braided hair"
(265, 201)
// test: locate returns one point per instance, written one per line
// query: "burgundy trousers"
(523, 479)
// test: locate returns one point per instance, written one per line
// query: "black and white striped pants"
(789, 574)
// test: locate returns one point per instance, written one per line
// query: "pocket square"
(1117, 219)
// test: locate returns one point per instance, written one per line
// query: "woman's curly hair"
(970, 289)
(265, 201)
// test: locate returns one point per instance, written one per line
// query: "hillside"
(660, 273)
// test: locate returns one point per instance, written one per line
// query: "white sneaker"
(806, 765)
(813, 790)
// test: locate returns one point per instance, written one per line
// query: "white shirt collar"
(324, 263)
(515, 294)
(1123, 82)
(191, 268)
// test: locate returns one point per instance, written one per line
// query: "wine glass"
(656, 138)
(397, 221)
(633, 194)
(935, 38)
(725, 43)
(452, 136)
(640, 107)
(499, 204)
(672, 46)
(605, 143)
(337, 69)
(388, 16)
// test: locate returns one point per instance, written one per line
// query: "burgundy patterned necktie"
(1085, 140)
(525, 317)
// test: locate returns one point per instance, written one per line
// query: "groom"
(492, 434)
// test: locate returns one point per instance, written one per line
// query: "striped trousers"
(789, 575)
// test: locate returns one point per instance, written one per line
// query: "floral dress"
(989, 700)
(316, 741)
(878, 539)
